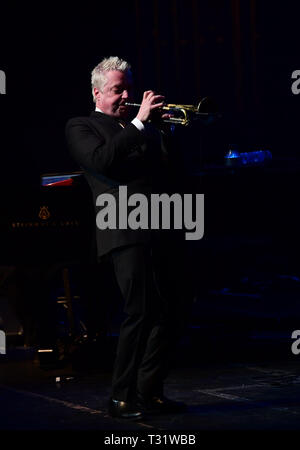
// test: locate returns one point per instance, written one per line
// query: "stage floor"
(225, 395)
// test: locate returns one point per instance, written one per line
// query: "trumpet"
(185, 114)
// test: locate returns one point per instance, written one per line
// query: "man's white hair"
(99, 78)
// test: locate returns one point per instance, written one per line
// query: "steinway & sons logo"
(44, 213)
(43, 222)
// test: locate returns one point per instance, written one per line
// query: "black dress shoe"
(161, 405)
(124, 410)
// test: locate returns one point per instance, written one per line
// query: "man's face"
(116, 92)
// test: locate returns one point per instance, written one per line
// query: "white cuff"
(137, 123)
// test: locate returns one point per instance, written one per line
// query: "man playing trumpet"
(114, 151)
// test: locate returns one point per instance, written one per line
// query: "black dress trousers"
(151, 326)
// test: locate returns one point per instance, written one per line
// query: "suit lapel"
(105, 120)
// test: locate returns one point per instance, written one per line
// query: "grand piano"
(51, 224)
(47, 259)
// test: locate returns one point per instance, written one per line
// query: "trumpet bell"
(206, 110)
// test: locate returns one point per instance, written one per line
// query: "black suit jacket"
(110, 156)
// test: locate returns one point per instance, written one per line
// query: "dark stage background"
(240, 52)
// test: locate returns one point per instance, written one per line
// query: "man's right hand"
(150, 102)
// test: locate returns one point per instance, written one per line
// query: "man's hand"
(150, 102)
